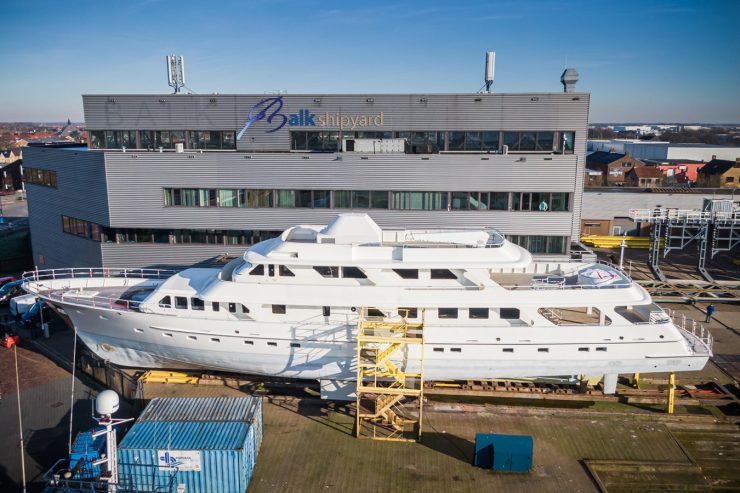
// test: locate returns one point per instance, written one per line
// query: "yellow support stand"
(671, 392)
(390, 376)
(158, 376)
(636, 381)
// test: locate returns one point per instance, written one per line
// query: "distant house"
(645, 177)
(613, 165)
(11, 155)
(720, 173)
(594, 178)
(677, 171)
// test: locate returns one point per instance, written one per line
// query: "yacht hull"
(328, 350)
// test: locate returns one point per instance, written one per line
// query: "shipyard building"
(176, 179)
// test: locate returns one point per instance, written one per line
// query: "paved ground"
(10, 206)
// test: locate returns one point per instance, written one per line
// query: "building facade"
(614, 167)
(181, 179)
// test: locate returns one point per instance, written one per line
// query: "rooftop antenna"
(490, 66)
(175, 72)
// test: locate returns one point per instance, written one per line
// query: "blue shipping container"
(204, 444)
(504, 452)
(247, 409)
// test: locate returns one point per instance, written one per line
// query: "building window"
(420, 200)
(311, 199)
(360, 199)
(314, 141)
(540, 201)
(529, 141)
(540, 244)
(568, 142)
(37, 176)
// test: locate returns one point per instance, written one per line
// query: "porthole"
(192, 338)
(273, 344)
(508, 349)
(167, 334)
(140, 331)
(249, 343)
(439, 350)
(662, 337)
(456, 350)
(294, 344)
(601, 349)
(215, 339)
(543, 350)
(583, 349)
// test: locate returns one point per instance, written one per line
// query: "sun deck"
(588, 276)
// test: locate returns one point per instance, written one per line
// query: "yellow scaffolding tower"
(390, 375)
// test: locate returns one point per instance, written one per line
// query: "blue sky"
(641, 60)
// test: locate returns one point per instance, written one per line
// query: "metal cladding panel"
(222, 469)
(202, 409)
(181, 435)
(608, 205)
(80, 193)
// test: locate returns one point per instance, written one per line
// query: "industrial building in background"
(180, 179)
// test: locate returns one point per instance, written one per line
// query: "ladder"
(390, 375)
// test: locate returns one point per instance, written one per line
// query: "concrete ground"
(10, 206)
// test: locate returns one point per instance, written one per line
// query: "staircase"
(390, 382)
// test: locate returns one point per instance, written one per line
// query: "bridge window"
(181, 302)
(447, 313)
(285, 272)
(197, 304)
(510, 313)
(408, 312)
(327, 271)
(165, 302)
(407, 273)
(259, 270)
(353, 273)
(216, 306)
(279, 309)
(478, 313)
(442, 274)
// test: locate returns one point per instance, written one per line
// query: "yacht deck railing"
(82, 272)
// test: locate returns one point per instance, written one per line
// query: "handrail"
(83, 272)
(698, 334)
(682, 214)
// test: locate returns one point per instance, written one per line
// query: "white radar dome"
(106, 402)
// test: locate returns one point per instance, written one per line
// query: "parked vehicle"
(6, 280)
(10, 290)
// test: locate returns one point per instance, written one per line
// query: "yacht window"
(295, 344)
(408, 312)
(278, 309)
(285, 272)
(216, 306)
(258, 271)
(244, 308)
(510, 313)
(478, 313)
(601, 349)
(327, 311)
(232, 307)
(353, 273)
(456, 350)
(181, 303)
(166, 302)
(374, 312)
(442, 274)
(271, 270)
(274, 344)
(439, 350)
(543, 350)
(583, 349)
(447, 313)
(197, 304)
(407, 273)
(508, 349)
(327, 271)
(249, 343)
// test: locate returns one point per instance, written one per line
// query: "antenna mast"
(175, 72)
(490, 65)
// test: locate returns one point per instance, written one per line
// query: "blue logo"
(169, 460)
(259, 112)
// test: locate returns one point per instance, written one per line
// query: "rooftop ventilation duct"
(569, 79)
